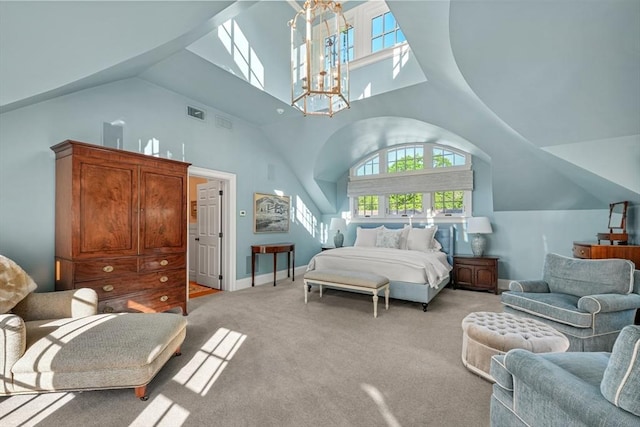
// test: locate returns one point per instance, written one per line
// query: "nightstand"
(479, 273)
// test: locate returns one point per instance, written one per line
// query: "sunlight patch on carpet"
(208, 363)
(378, 399)
(162, 411)
(29, 410)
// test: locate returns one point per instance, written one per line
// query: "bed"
(417, 261)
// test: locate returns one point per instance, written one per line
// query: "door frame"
(228, 247)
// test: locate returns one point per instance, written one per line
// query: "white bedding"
(397, 264)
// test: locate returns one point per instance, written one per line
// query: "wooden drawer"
(581, 251)
(104, 268)
(112, 288)
(147, 302)
(162, 262)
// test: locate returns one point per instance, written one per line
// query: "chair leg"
(141, 393)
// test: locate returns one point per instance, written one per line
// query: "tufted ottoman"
(486, 334)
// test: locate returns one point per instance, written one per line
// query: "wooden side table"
(275, 249)
(475, 273)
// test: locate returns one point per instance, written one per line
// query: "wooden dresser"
(595, 251)
(121, 225)
(475, 272)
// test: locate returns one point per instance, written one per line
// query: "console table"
(275, 249)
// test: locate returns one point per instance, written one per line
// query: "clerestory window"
(421, 180)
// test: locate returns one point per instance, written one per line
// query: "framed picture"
(270, 213)
(194, 209)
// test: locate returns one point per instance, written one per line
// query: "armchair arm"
(579, 401)
(538, 286)
(13, 343)
(58, 305)
(606, 303)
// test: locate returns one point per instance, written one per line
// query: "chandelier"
(319, 70)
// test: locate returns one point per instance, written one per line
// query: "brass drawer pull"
(107, 309)
(164, 262)
(107, 268)
(163, 298)
(107, 288)
(164, 279)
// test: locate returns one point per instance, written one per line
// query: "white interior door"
(208, 234)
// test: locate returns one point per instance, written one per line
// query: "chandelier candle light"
(478, 226)
(338, 224)
(319, 71)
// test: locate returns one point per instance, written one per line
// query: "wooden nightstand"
(476, 273)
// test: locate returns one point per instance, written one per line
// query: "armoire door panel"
(163, 212)
(108, 199)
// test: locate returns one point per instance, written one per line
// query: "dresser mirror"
(617, 224)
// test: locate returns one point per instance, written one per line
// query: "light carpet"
(261, 357)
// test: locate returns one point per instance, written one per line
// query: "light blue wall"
(27, 170)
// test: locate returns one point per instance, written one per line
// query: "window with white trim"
(385, 32)
(420, 180)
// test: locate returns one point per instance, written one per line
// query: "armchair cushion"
(15, 284)
(587, 277)
(529, 286)
(621, 380)
(562, 308)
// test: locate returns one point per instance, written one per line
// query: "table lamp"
(478, 226)
(338, 224)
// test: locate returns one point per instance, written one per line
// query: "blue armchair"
(569, 389)
(589, 301)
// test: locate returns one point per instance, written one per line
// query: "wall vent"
(195, 113)
(222, 122)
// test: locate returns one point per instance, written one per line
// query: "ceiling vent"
(195, 113)
(222, 122)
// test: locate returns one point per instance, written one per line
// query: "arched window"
(421, 180)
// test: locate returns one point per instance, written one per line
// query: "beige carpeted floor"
(261, 357)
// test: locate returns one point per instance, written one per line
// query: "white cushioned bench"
(345, 279)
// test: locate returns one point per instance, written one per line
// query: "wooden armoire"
(121, 227)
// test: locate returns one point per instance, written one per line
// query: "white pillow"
(421, 239)
(15, 284)
(366, 237)
(388, 238)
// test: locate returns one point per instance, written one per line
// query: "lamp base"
(478, 244)
(338, 239)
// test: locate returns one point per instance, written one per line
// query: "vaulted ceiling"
(547, 93)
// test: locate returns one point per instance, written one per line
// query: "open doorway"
(212, 238)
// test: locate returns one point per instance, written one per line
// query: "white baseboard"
(267, 278)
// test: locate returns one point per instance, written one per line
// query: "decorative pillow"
(403, 232)
(621, 380)
(388, 238)
(15, 284)
(420, 239)
(366, 237)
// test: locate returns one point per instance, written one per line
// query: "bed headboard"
(444, 235)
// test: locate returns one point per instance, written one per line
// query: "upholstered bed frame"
(421, 292)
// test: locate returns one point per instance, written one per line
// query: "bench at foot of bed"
(352, 280)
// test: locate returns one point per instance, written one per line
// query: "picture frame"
(271, 213)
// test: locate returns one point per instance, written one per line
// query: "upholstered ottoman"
(102, 351)
(486, 334)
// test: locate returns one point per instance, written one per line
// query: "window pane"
(389, 40)
(369, 167)
(448, 202)
(405, 204)
(389, 22)
(376, 44)
(400, 36)
(405, 159)
(367, 206)
(376, 26)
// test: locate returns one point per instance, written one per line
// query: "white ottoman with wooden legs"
(352, 280)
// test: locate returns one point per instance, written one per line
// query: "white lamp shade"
(479, 225)
(338, 224)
